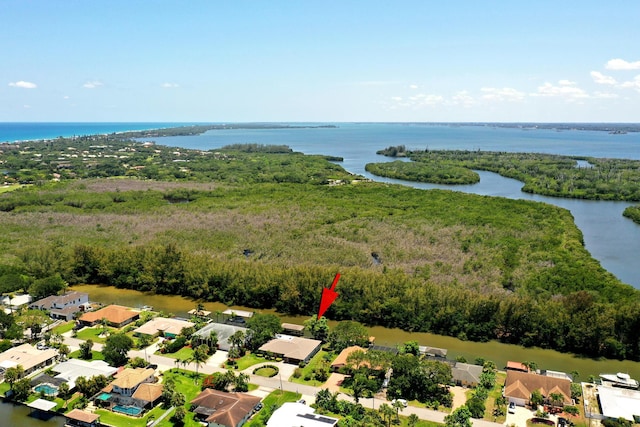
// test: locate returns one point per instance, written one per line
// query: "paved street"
(266, 385)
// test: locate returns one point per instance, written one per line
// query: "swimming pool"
(47, 389)
(129, 410)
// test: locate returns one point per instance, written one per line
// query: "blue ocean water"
(23, 131)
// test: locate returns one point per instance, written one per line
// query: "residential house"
(27, 356)
(147, 395)
(221, 409)
(72, 369)
(80, 418)
(291, 349)
(168, 328)
(223, 332)
(122, 390)
(295, 414)
(14, 303)
(341, 360)
(63, 306)
(466, 374)
(619, 402)
(116, 316)
(519, 385)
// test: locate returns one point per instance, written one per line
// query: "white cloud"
(605, 95)
(565, 89)
(169, 85)
(413, 86)
(92, 84)
(24, 85)
(633, 84)
(417, 101)
(621, 64)
(600, 78)
(502, 94)
(463, 98)
(378, 83)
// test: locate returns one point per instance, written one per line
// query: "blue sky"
(213, 61)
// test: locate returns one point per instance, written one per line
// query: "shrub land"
(270, 229)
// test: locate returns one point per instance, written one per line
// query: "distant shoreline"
(151, 128)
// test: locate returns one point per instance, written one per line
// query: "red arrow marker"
(328, 296)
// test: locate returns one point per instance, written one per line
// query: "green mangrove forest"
(546, 174)
(264, 227)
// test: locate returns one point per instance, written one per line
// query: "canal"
(498, 352)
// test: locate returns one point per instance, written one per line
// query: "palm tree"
(200, 355)
(556, 399)
(413, 420)
(63, 351)
(398, 406)
(237, 340)
(358, 387)
(387, 413)
(56, 338)
(104, 323)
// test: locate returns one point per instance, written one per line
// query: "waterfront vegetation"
(424, 172)
(547, 174)
(633, 213)
(247, 226)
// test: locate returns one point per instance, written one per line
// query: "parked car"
(512, 408)
(402, 401)
(302, 401)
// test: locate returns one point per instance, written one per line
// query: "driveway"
(459, 396)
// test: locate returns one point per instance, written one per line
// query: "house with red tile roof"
(116, 315)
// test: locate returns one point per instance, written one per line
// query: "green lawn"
(491, 400)
(111, 418)
(266, 372)
(93, 334)
(185, 353)
(188, 384)
(277, 398)
(246, 361)
(95, 355)
(313, 363)
(65, 327)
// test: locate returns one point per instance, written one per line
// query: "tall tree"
(461, 417)
(318, 328)
(263, 328)
(200, 355)
(348, 333)
(116, 348)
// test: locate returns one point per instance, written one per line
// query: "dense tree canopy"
(116, 348)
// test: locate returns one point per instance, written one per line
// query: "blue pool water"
(104, 396)
(47, 389)
(129, 410)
